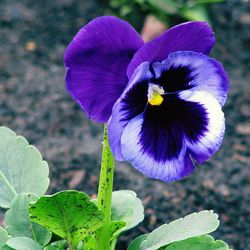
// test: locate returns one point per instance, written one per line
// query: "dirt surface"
(33, 102)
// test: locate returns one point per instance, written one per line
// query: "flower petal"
(154, 142)
(190, 36)
(168, 170)
(162, 141)
(96, 62)
(208, 143)
(132, 102)
(195, 71)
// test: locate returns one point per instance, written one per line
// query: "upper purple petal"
(190, 36)
(96, 62)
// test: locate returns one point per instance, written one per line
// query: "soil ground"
(34, 103)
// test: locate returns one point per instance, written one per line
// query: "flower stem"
(104, 197)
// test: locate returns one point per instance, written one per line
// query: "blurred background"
(34, 103)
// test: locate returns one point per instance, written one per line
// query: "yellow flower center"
(155, 93)
(156, 99)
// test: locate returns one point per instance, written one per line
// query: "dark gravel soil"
(33, 102)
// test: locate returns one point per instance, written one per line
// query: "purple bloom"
(162, 100)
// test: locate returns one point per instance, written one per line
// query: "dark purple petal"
(133, 152)
(185, 70)
(96, 62)
(190, 36)
(132, 103)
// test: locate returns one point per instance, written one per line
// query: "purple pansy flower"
(162, 100)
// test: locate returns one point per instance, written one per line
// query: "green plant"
(165, 10)
(32, 217)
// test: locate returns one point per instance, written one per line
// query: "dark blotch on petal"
(135, 101)
(175, 78)
(166, 126)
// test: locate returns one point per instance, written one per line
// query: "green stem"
(104, 197)
(113, 244)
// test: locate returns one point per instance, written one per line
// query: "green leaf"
(167, 6)
(69, 214)
(205, 242)
(18, 223)
(89, 243)
(125, 10)
(136, 243)
(6, 247)
(127, 207)
(195, 13)
(141, 2)
(3, 237)
(207, 1)
(22, 169)
(192, 225)
(24, 243)
(116, 227)
(58, 245)
(49, 247)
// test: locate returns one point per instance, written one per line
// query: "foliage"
(3, 237)
(24, 243)
(32, 217)
(21, 168)
(18, 223)
(192, 225)
(57, 245)
(69, 214)
(127, 207)
(136, 243)
(205, 242)
(164, 9)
